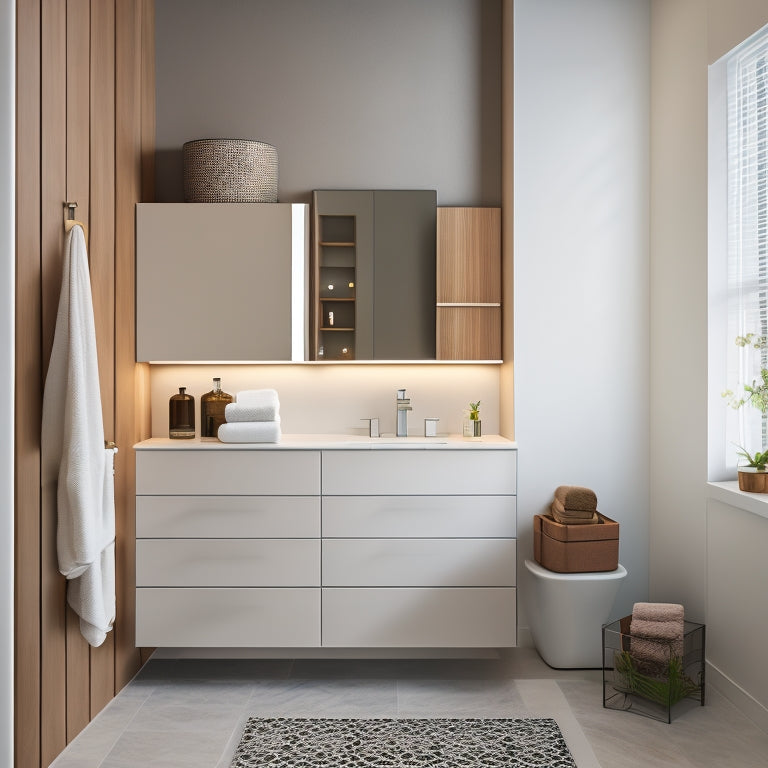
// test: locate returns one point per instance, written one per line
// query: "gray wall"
(353, 93)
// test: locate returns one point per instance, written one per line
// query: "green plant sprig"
(474, 411)
(755, 394)
(758, 461)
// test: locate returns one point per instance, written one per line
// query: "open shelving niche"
(335, 288)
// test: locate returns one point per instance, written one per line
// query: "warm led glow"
(344, 350)
(351, 285)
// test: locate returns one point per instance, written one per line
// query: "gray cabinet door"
(395, 267)
(404, 274)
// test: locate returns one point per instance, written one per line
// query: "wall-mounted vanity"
(326, 541)
(391, 277)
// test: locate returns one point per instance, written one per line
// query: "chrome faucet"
(403, 406)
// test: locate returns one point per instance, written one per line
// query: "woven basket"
(230, 171)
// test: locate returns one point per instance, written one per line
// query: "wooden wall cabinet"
(221, 281)
(468, 283)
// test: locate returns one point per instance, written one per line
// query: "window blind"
(747, 139)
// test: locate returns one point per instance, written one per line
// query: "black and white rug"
(395, 743)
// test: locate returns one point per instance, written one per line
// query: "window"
(739, 227)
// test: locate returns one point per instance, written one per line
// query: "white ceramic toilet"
(566, 612)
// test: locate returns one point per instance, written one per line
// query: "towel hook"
(70, 220)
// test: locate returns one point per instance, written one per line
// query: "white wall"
(7, 259)
(354, 95)
(704, 568)
(581, 154)
(737, 607)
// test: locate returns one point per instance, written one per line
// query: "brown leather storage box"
(576, 548)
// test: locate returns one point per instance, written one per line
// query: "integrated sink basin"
(402, 442)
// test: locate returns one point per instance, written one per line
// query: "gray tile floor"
(190, 713)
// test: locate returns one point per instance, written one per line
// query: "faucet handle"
(373, 427)
(401, 394)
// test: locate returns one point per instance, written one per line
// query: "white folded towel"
(238, 412)
(250, 432)
(76, 468)
(258, 398)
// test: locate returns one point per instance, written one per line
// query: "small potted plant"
(473, 426)
(753, 475)
(753, 470)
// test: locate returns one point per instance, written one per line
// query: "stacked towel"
(657, 635)
(574, 505)
(254, 417)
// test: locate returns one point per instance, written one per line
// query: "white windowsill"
(728, 493)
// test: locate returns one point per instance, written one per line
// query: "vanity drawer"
(419, 562)
(419, 516)
(267, 618)
(419, 618)
(228, 516)
(228, 472)
(423, 472)
(227, 562)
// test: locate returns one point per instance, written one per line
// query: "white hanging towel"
(76, 466)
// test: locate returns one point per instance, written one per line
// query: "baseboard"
(743, 701)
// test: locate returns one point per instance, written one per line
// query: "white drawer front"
(403, 472)
(267, 618)
(228, 516)
(419, 562)
(419, 618)
(227, 563)
(228, 472)
(419, 516)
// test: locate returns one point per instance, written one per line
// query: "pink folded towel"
(656, 630)
(576, 497)
(651, 656)
(658, 611)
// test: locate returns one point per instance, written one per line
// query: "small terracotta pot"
(753, 480)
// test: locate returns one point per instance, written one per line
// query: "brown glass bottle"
(212, 405)
(181, 415)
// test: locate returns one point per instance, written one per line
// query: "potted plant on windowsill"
(753, 470)
(753, 475)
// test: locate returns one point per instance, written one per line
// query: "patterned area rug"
(422, 743)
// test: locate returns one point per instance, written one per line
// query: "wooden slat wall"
(85, 132)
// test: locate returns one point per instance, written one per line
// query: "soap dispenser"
(212, 407)
(181, 415)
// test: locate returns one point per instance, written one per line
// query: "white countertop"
(336, 442)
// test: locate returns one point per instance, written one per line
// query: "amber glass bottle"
(212, 405)
(181, 415)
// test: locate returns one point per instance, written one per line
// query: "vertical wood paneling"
(54, 168)
(128, 189)
(28, 391)
(76, 141)
(102, 249)
(78, 186)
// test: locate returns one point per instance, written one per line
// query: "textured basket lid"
(229, 171)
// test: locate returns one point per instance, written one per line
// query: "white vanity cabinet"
(315, 544)
(227, 548)
(419, 548)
